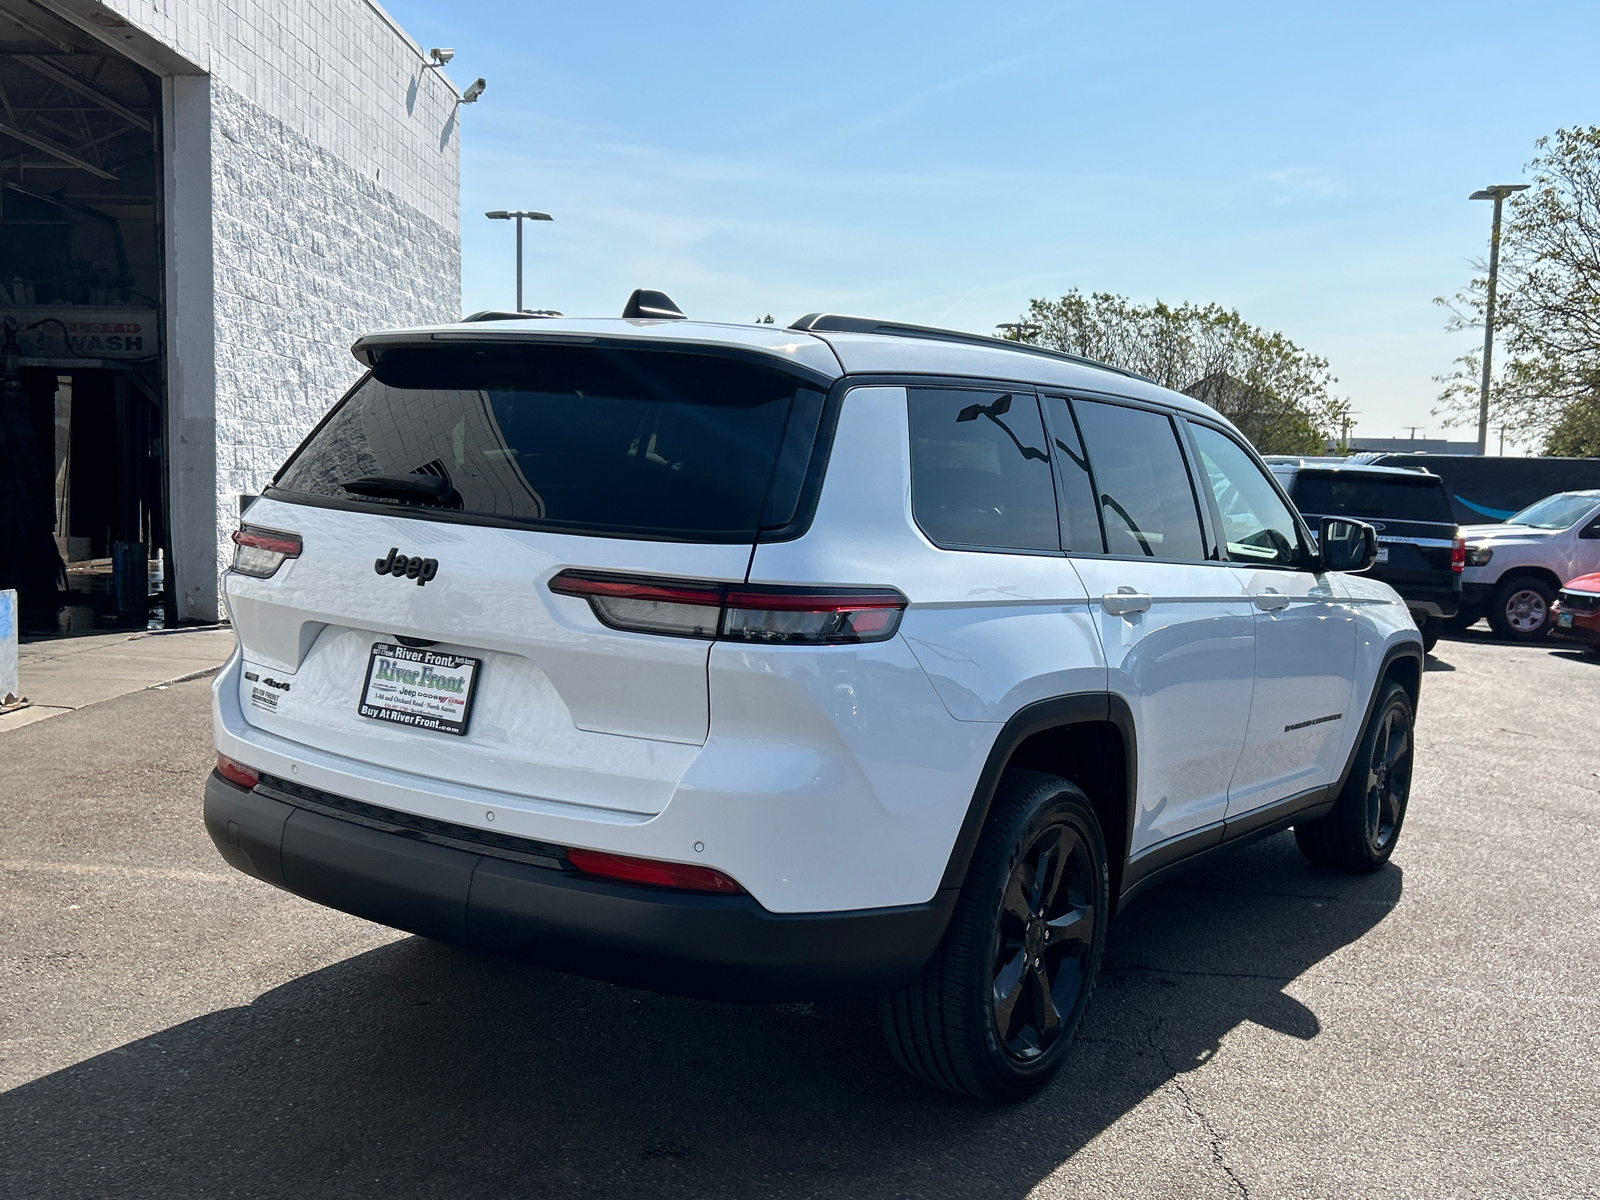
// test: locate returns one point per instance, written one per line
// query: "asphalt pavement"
(169, 1028)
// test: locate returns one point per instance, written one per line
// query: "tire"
(1520, 608)
(1360, 833)
(948, 1027)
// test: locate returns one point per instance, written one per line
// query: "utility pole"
(1413, 429)
(1498, 193)
(502, 215)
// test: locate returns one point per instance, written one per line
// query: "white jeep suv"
(776, 662)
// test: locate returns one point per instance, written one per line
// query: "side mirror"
(1346, 545)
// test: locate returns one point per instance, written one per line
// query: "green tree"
(1278, 394)
(1547, 315)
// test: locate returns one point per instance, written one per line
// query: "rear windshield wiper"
(411, 488)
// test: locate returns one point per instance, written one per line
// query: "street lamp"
(1019, 331)
(502, 215)
(1498, 193)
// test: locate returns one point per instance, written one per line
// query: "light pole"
(1019, 331)
(1498, 193)
(502, 215)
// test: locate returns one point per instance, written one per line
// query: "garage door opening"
(82, 460)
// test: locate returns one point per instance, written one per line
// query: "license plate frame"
(1383, 554)
(406, 694)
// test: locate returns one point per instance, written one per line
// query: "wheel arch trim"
(1056, 712)
(1407, 649)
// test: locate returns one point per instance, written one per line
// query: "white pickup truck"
(1514, 570)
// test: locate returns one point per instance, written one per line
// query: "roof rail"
(495, 314)
(834, 323)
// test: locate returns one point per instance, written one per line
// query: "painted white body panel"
(1382, 623)
(1186, 669)
(1305, 662)
(994, 631)
(566, 707)
(864, 758)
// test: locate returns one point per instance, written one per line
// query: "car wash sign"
(63, 331)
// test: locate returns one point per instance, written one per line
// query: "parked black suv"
(1420, 553)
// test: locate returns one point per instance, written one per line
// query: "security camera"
(440, 55)
(474, 90)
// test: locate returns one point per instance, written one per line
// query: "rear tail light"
(738, 612)
(648, 870)
(237, 772)
(1458, 553)
(260, 552)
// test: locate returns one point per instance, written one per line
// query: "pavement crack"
(1212, 1134)
(1149, 970)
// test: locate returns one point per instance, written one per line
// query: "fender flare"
(1054, 713)
(1392, 655)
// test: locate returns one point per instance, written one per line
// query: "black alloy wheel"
(993, 1013)
(1044, 937)
(1388, 777)
(1360, 833)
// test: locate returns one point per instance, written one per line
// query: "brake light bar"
(739, 612)
(1458, 554)
(652, 872)
(260, 552)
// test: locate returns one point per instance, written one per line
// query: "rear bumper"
(1440, 602)
(1443, 610)
(722, 947)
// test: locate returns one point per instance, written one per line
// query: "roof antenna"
(649, 305)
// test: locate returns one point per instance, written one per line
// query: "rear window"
(649, 444)
(1399, 499)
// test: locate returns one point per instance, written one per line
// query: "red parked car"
(1576, 612)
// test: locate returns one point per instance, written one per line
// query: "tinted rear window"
(648, 444)
(980, 473)
(1398, 499)
(1147, 503)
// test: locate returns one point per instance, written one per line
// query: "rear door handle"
(1124, 602)
(1271, 600)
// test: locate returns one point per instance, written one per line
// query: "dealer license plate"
(421, 688)
(1383, 554)
(1564, 620)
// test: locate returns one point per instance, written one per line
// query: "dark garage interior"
(81, 371)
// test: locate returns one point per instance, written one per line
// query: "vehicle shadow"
(1481, 635)
(421, 1070)
(1572, 654)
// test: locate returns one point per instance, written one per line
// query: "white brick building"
(307, 192)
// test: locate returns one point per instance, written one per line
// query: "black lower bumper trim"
(722, 947)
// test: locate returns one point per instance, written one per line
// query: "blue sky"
(943, 163)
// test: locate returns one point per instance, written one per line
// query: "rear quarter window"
(1398, 499)
(647, 444)
(980, 470)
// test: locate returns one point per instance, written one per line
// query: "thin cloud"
(1304, 183)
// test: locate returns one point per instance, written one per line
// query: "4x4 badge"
(401, 567)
